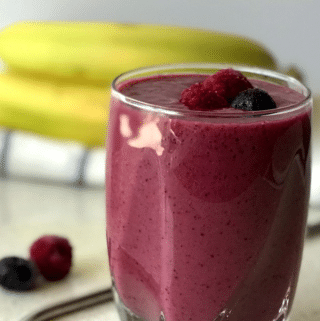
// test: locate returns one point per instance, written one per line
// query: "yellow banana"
(97, 52)
(58, 72)
(63, 111)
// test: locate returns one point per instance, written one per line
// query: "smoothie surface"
(166, 91)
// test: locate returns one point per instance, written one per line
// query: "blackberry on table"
(17, 274)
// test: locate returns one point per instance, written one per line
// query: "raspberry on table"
(17, 274)
(53, 256)
(253, 100)
(227, 83)
(197, 97)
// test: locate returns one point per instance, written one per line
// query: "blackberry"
(17, 274)
(254, 99)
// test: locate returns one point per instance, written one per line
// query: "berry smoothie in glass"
(207, 186)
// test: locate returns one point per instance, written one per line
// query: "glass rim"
(177, 112)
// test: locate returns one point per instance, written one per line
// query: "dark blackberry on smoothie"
(207, 194)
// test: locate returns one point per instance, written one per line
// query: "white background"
(289, 28)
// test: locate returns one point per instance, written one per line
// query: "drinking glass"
(206, 210)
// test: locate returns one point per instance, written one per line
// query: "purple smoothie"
(206, 217)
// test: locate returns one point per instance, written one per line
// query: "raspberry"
(198, 98)
(227, 83)
(216, 91)
(53, 256)
(17, 274)
(254, 99)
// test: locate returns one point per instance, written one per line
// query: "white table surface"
(29, 210)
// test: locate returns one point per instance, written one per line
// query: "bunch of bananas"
(57, 75)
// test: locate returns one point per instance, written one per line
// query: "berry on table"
(17, 274)
(53, 256)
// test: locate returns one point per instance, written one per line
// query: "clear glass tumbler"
(206, 210)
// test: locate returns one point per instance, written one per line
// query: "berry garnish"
(53, 256)
(216, 91)
(17, 274)
(197, 98)
(227, 83)
(253, 100)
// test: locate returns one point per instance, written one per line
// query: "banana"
(52, 109)
(98, 52)
(58, 73)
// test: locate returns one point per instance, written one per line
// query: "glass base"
(126, 315)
